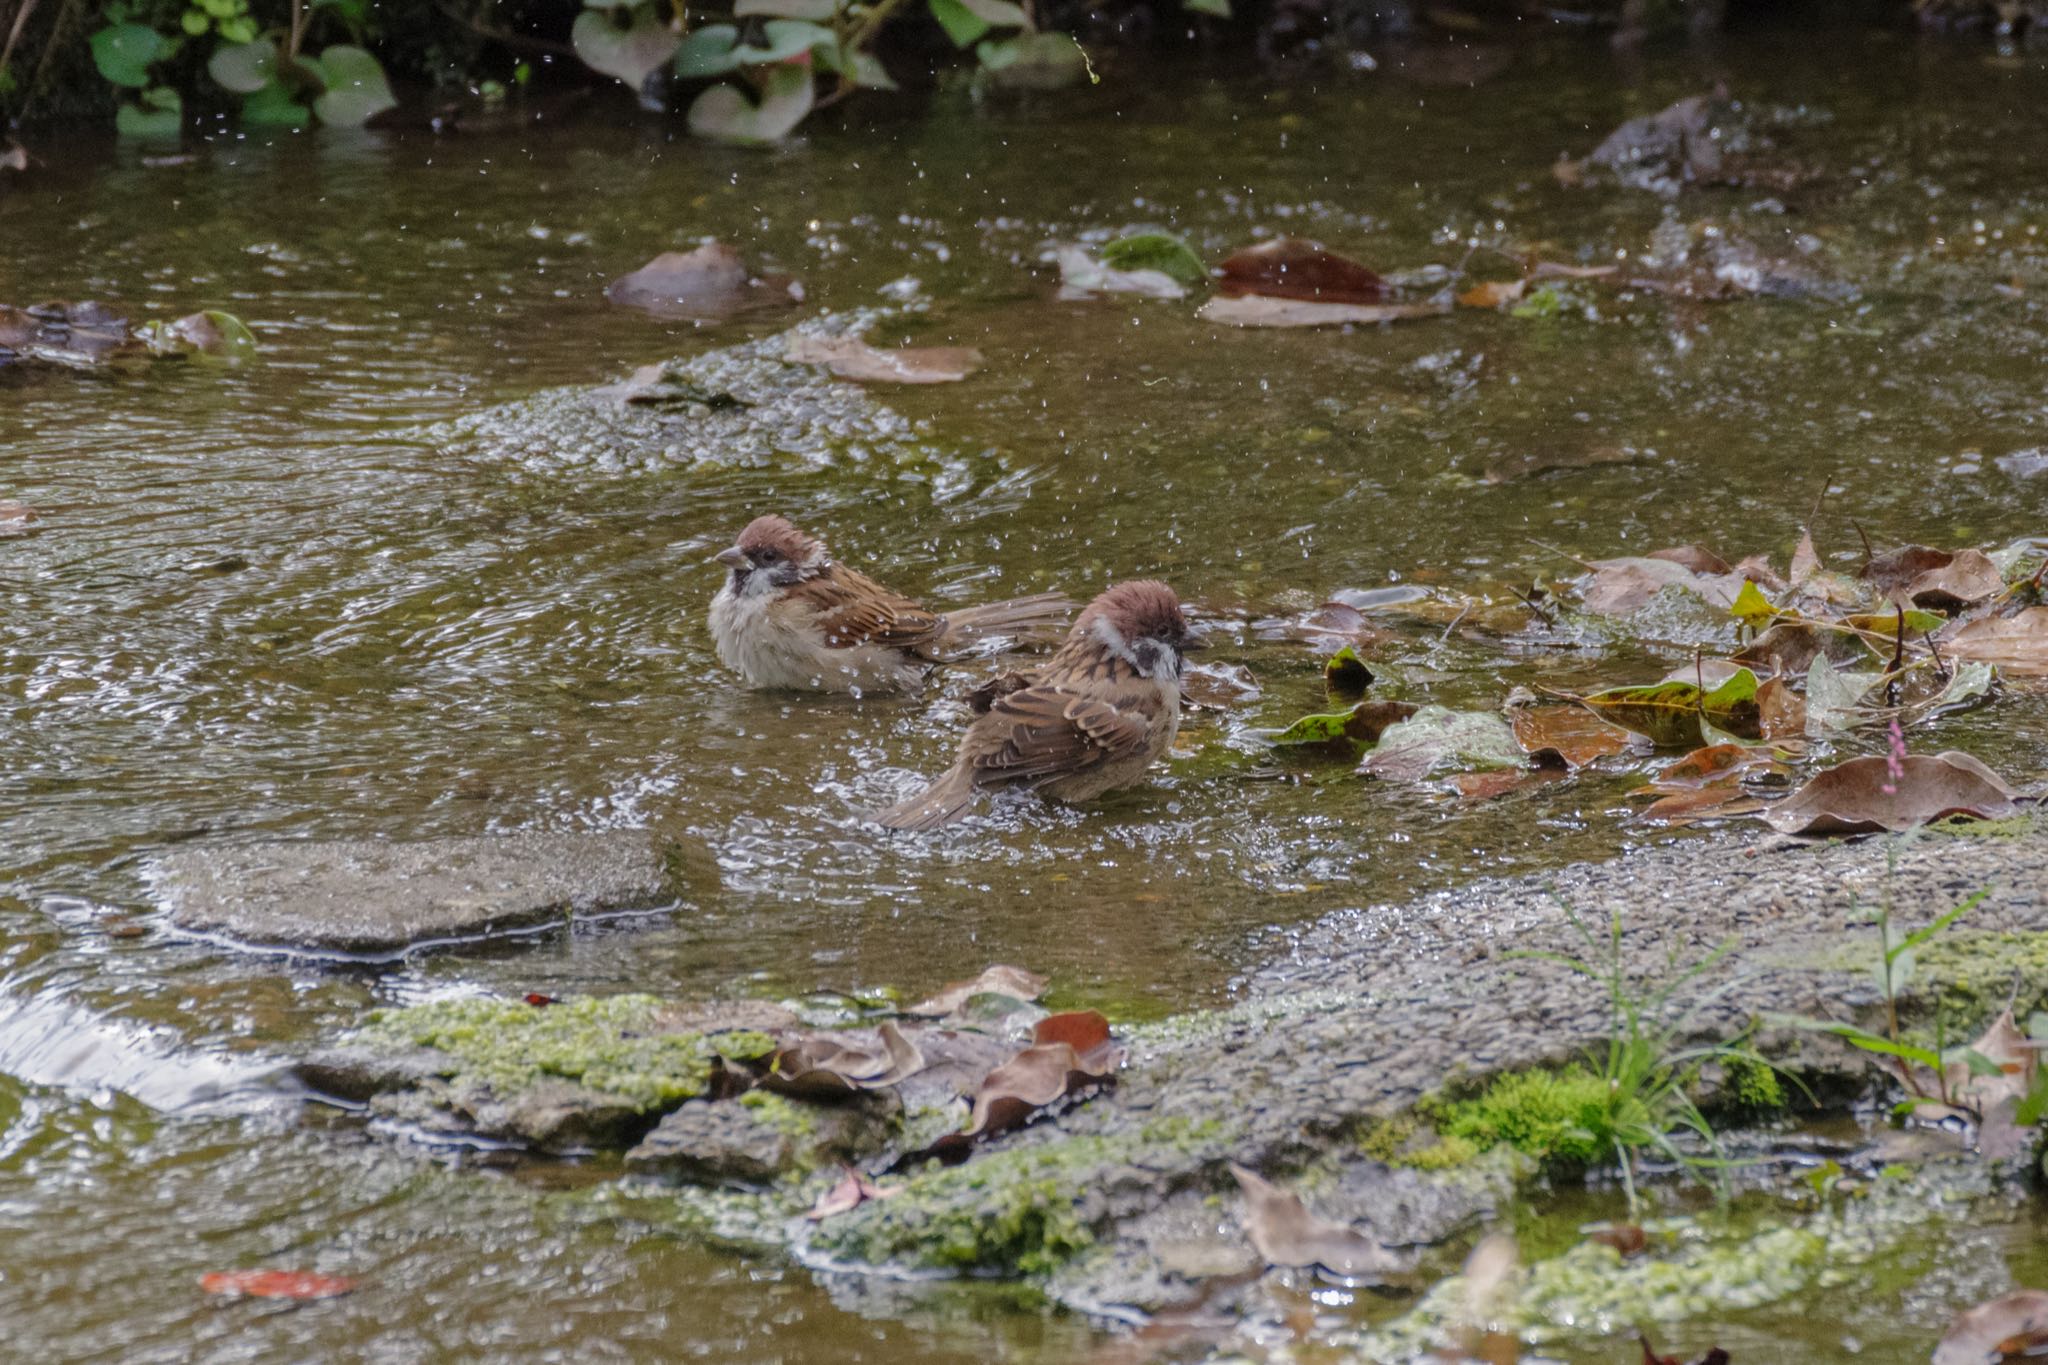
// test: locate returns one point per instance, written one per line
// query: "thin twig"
(21, 15)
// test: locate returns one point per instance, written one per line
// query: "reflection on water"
(255, 606)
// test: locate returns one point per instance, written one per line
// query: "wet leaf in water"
(2011, 1328)
(1156, 251)
(840, 1063)
(1670, 714)
(276, 1284)
(16, 519)
(1715, 801)
(1626, 1238)
(1834, 698)
(1493, 294)
(853, 1190)
(211, 333)
(1436, 739)
(1710, 764)
(629, 52)
(1850, 798)
(1287, 1234)
(1339, 621)
(1296, 268)
(1265, 311)
(1218, 687)
(1347, 731)
(1490, 785)
(1792, 646)
(851, 358)
(1575, 735)
(1622, 587)
(996, 980)
(2017, 644)
(1997, 1067)
(1345, 674)
(1781, 712)
(1082, 277)
(1714, 1355)
(1938, 579)
(1069, 1052)
(1527, 464)
(1698, 558)
(711, 282)
(1752, 608)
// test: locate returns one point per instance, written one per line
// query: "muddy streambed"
(260, 602)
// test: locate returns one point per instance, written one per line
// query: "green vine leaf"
(123, 53)
(243, 68)
(356, 88)
(723, 114)
(630, 54)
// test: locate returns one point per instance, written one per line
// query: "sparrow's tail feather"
(943, 802)
(1042, 615)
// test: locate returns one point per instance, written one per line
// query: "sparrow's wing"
(852, 609)
(1045, 731)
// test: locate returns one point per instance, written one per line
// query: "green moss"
(1971, 974)
(1554, 1116)
(1753, 1086)
(798, 1121)
(1398, 1141)
(2011, 827)
(1442, 1155)
(610, 1044)
(1014, 1211)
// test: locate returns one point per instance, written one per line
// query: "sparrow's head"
(1141, 623)
(771, 553)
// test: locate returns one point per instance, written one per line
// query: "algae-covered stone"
(761, 1137)
(372, 896)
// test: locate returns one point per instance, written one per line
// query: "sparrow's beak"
(1193, 644)
(732, 556)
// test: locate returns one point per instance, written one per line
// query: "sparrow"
(1091, 720)
(789, 616)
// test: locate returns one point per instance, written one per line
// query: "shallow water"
(257, 604)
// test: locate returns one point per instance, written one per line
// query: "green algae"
(1752, 1086)
(612, 1044)
(1558, 1117)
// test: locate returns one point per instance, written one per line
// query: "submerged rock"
(741, 406)
(374, 896)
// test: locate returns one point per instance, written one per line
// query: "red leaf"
(537, 1000)
(1294, 268)
(276, 1284)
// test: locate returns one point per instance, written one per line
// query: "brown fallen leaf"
(276, 1284)
(1287, 1234)
(1850, 798)
(1267, 311)
(1715, 801)
(1622, 587)
(2011, 1328)
(1713, 763)
(1218, 687)
(852, 358)
(1940, 580)
(841, 1063)
(996, 980)
(1714, 1354)
(1068, 1052)
(1781, 712)
(1626, 1238)
(708, 284)
(1493, 294)
(16, 518)
(1333, 622)
(1790, 647)
(1573, 734)
(853, 1190)
(1296, 268)
(1698, 558)
(2017, 644)
(2004, 1046)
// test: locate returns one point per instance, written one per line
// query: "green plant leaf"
(123, 53)
(1159, 251)
(356, 88)
(243, 68)
(630, 54)
(159, 112)
(1033, 61)
(274, 107)
(864, 68)
(962, 25)
(817, 11)
(1541, 303)
(708, 51)
(723, 114)
(997, 13)
(786, 38)
(1345, 673)
(1670, 713)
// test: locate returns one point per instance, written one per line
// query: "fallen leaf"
(1938, 579)
(540, 1001)
(1347, 731)
(1492, 294)
(1339, 621)
(853, 1190)
(1714, 1355)
(2011, 1328)
(1850, 798)
(1781, 712)
(1287, 1234)
(1710, 764)
(851, 358)
(1715, 801)
(842, 1062)
(1437, 739)
(1296, 268)
(2006, 1059)
(276, 1284)
(16, 519)
(1266, 311)
(997, 980)
(2017, 644)
(1670, 714)
(1834, 698)
(1626, 1238)
(1218, 687)
(1069, 1052)
(1622, 587)
(1161, 252)
(1491, 785)
(1575, 735)
(1527, 464)
(1697, 558)
(1489, 1282)
(1344, 673)
(707, 284)
(1792, 646)
(1082, 276)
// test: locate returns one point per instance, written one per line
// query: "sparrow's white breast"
(772, 642)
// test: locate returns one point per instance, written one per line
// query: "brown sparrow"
(789, 616)
(1093, 719)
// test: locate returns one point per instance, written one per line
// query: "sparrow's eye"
(770, 556)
